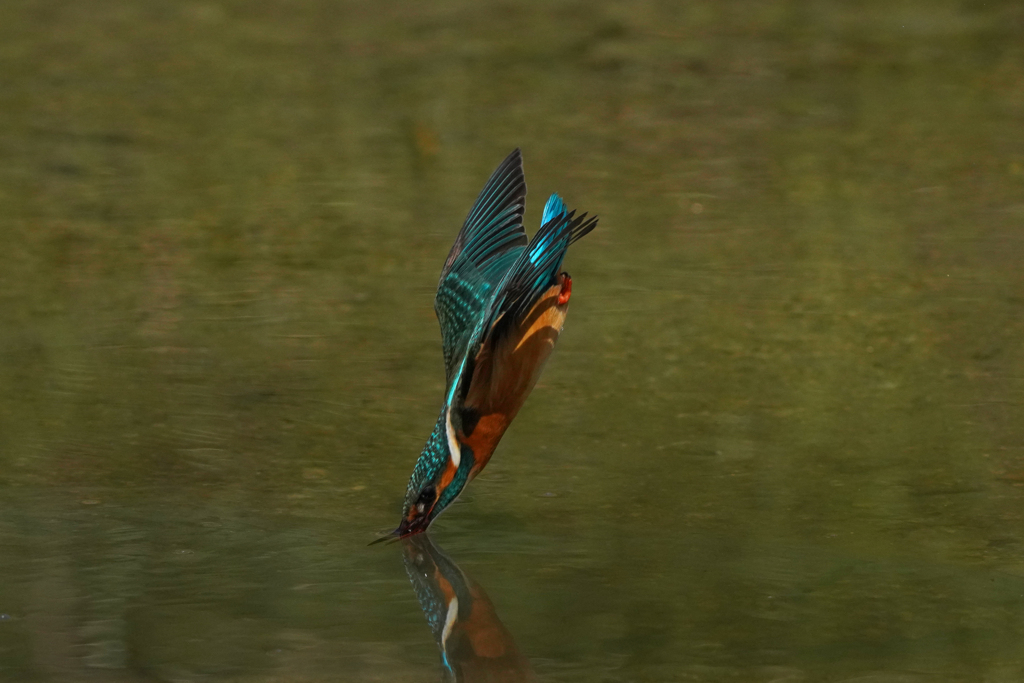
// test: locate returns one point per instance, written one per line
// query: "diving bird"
(501, 302)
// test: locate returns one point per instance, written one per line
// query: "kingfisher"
(501, 302)
(474, 644)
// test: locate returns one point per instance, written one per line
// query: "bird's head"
(429, 496)
(440, 474)
(419, 510)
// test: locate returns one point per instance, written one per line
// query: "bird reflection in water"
(475, 646)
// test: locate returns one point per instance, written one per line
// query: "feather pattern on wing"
(491, 240)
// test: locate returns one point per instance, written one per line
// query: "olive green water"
(781, 438)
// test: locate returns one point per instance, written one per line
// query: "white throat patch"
(453, 444)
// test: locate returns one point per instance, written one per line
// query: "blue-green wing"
(491, 240)
(494, 225)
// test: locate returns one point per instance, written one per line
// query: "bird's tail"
(556, 207)
(536, 269)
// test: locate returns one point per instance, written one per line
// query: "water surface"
(780, 439)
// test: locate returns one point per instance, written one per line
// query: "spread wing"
(533, 272)
(491, 240)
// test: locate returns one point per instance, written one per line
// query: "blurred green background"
(780, 440)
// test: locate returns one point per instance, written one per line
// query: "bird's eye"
(426, 498)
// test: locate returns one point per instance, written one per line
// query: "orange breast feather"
(507, 368)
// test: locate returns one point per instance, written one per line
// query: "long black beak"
(406, 528)
(388, 538)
